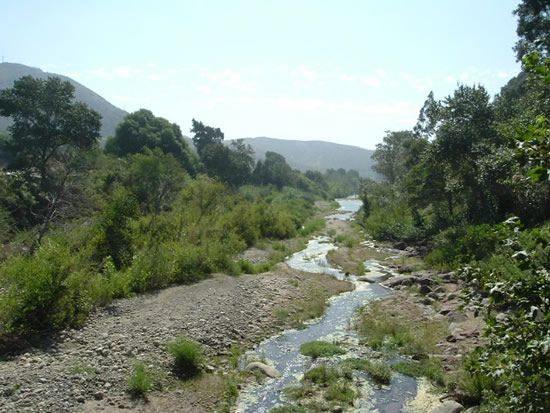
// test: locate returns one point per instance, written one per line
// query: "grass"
(408, 330)
(322, 388)
(78, 368)
(317, 349)
(311, 226)
(377, 370)
(141, 381)
(427, 367)
(188, 357)
(322, 375)
(313, 306)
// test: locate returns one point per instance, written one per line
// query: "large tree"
(47, 123)
(142, 130)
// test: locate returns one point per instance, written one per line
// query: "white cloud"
(154, 76)
(207, 90)
(371, 81)
(230, 80)
(122, 71)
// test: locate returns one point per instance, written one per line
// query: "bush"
(36, 298)
(377, 370)
(392, 221)
(188, 357)
(141, 381)
(317, 349)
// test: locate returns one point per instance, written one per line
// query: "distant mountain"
(316, 155)
(111, 115)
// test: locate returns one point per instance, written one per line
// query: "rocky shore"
(88, 369)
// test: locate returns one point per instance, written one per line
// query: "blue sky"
(341, 71)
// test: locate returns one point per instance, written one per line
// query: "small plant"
(427, 367)
(377, 370)
(188, 357)
(141, 381)
(322, 375)
(317, 349)
(288, 409)
(341, 392)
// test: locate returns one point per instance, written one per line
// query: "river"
(283, 351)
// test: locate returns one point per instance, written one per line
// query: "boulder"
(399, 281)
(268, 370)
(424, 289)
(450, 406)
(400, 245)
(366, 279)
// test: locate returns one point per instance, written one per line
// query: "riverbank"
(88, 369)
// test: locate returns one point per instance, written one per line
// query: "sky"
(340, 71)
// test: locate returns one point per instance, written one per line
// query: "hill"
(316, 155)
(112, 116)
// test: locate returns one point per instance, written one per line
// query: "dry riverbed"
(88, 369)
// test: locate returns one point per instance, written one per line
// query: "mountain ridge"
(316, 155)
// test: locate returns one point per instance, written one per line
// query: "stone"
(400, 245)
(366, 279)
(424, 289)
(337, 409)
(450, 406)
(400, 281)
(268, 370)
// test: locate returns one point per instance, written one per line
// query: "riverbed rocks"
(268, 370)
(450, 406)
(88, 369)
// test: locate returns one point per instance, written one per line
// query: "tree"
(46, 124)
(533, 28)
(143, 130)
(205, 135)
(390, 156)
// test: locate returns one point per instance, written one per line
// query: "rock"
(366, 279)
(425, 281)
(449, 277)
(400, 245)
(448, 309)
(337, 409)
(400, 281)
(434, 296)
(98, 395)
(426, 301)
(404, 269)
(424, 290)
(450, 406)
(268, 370)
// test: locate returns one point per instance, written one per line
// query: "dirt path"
(88, 369)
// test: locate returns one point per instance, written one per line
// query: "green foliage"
(426, 367)
(377, 370)
(288, 409)
(312, 226)
(37, 296)
(458, 245)
(395, 221)
(141, 381)
(317, 349)
(112, 236)
(516, 355)
(46, 121)
(188, 357)
(410, 332)
(141, 130)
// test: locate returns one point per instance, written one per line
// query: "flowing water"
(283, 351)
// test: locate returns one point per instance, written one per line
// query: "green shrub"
(341, 392)
(426, 367)
(317, 349)
(392, 221)
(377, 370)
(312, 226)
(322, 375)
(36, 298)
(141, 381)
(288, 409)
(188, 357)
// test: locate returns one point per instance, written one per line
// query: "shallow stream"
(283, 351)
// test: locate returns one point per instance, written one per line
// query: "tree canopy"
(46, 124)
(142, 129)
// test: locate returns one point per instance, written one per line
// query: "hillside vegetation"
(81, 226)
